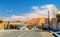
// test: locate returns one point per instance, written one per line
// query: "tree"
(58, 15)
(1, 21)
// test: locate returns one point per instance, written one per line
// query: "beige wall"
(3, 24)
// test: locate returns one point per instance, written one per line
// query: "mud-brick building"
(4, 24)
(40, 21)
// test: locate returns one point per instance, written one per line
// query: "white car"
(23, 28)
(56, 34)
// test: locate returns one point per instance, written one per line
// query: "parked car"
(56, 33)
(22, 27)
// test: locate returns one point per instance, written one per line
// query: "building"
(37, 21)
(4, 24)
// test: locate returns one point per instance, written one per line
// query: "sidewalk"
(5, 30)
(2, 32)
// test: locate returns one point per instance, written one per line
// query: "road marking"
(23, 34)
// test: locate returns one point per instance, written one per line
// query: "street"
(29, 33)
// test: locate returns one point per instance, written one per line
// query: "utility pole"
(8, 25)
(48, 20)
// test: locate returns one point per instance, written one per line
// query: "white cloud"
(9, 11)
(58, 12)
(42, 11)
(38, 12)
(35, 8)
(16, 18)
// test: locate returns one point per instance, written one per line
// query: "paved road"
(23, 34)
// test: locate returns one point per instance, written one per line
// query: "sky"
(27, 8)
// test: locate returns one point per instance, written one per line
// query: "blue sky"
(20, 7)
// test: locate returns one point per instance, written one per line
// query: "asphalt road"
(30, 33)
